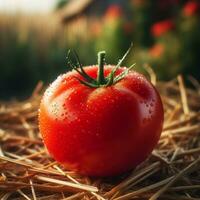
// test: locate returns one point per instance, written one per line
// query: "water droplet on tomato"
(64, 81)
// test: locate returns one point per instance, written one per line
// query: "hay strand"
(170, 173)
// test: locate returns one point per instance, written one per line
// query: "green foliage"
(113, 40)
(36, 49)
(189, 32)
(176, 48)
(142, 20)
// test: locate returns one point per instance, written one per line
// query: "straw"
(170, 173)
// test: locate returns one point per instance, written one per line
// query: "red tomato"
(101, 131)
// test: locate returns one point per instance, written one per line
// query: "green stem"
(101, 80)
(101, 62)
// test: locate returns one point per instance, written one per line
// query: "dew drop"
(64, 81)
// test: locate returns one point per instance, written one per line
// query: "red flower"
(114, 11)
(191, 8)
(161, 27)
(156, 51)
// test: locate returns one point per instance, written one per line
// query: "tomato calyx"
(101, 80)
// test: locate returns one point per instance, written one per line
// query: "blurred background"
(35, 36)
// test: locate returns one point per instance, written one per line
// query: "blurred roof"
(74, 8)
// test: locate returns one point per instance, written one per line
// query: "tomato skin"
(100, 131)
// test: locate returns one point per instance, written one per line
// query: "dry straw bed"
(170, 173)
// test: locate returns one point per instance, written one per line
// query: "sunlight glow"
(27, 6)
